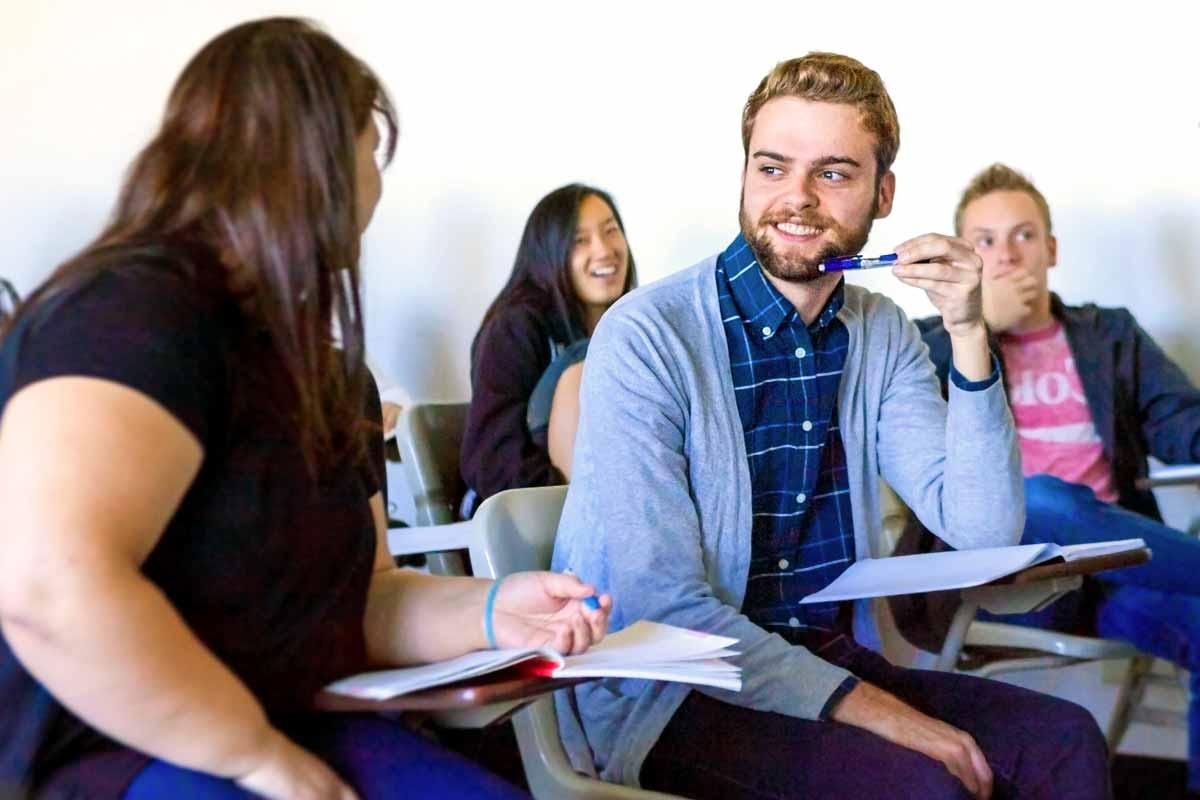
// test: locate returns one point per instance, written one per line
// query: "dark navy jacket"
(1142, 403)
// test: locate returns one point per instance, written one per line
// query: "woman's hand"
(285, 771)
(536, 609)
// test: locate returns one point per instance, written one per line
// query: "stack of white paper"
(649, 650)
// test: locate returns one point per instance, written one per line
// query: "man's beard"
(795, 268)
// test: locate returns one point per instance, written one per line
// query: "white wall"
(502, 102)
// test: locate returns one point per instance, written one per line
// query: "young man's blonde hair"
(999, 178)
(831, 78)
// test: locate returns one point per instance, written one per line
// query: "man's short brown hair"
(999, 178)
(831, 78)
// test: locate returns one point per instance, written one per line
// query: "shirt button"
(800, 498)
(766, 330)
(783, 563)
(801, 352)
(807, 425)
(795, 623)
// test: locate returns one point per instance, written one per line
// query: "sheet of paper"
(928, 572)
(957, 569)
(1074, 552)
(646, 642)
(711, 672)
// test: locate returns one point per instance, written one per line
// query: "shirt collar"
(759, 304)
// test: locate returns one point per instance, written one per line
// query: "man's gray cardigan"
(658, 512)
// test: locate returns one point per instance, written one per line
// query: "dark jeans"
(378, 757)
(1155, 606)
(1037, 746)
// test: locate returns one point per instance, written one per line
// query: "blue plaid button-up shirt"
(786, 377)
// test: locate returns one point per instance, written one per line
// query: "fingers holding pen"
(936, 257)
(950, 272)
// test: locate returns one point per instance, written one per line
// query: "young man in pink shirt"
(1092, 396)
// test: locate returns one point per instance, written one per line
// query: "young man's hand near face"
(1009, 299)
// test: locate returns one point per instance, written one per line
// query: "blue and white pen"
(590, 602)
(857, 262)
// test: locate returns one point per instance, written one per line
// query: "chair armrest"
(1021, 598)
(1027, 590)
(1176, 475)
(1005, 598)
(999, 634)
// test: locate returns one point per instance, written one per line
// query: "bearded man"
(736, 419)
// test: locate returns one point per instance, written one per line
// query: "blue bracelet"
(487, 614)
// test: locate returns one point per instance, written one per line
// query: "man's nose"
(800, 192)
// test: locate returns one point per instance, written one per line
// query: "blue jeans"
(1155, 606)
(378, 757)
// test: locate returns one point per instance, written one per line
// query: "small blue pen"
(590, 602)
(857, 262)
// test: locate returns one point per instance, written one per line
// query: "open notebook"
(956, 569)
(649, 650)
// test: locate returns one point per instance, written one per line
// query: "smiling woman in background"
(526, 361)
(188, 563)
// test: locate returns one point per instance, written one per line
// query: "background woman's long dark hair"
(255, 166)
(542, 269)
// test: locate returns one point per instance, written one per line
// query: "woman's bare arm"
(86, 496)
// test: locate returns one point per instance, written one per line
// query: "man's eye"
(833, 175)
(770, 170)
(986, 241)
(1025, 236)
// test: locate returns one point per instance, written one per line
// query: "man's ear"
(1052, 243)
(887, 193)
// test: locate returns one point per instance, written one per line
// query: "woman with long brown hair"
(187, 564)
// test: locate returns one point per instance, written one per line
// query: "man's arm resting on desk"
(872, 709)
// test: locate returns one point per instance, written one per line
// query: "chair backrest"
(894, 513)
(430, 436)
(516, 532)
(896, 648)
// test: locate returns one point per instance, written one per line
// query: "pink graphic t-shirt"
(1054, 424)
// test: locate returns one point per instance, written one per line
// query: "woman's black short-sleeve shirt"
(267, 563)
